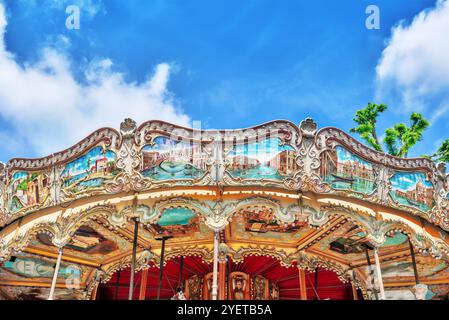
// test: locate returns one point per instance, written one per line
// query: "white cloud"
(414, 66)
(49, 109)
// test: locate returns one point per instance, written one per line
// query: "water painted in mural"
(267, 159)
(27, 189)
(412, 189)
(177, 221)
(35, 268)
(345, 171)
(89, 171)
(167, 159)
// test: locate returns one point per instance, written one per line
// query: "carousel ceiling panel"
(40, 293)
(262, 225)
(31, 268)
(347, 241)
(401, 269)
(92, 242)
(182, 224)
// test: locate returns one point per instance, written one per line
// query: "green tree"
(401, 138)
(442, 154)
(367, 119)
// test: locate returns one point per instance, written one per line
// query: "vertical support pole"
(379, 274)
(228, 272)
(181, 267)
(302, 284)
(161, 269)
(93, 296)
(215, 269)
(316, 284)
(415, 270)
(143, 284)
(133, 263)
(117, 283)
(371, 273)
(355, 295)
(222, 279)
(55, 274)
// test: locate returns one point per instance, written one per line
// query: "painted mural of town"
(266, 159)
(89, 171)
(345, 171)
(413, 190)
(167, 159)
(27, 189)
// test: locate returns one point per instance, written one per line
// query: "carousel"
(278, 211)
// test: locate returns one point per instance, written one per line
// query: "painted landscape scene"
(89, 171)
(345, 171)
(413, 190)
(266, 159)
(168, 159)
(28, 189)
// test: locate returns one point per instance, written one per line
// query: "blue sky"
(229, 64)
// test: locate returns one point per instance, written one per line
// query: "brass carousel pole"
(55, 274)
(133, 263)
(162, 238)
(181, 267)
(415, 269)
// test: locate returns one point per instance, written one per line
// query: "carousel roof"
(279, 195)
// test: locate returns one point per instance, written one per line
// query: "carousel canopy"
(279, 197)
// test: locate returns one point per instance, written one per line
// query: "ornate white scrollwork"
(129, 161)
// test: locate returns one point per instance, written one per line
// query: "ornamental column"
(55, 274)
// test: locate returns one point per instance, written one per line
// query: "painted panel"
(37, 293)
(412, 189)
(263, 221)
(395, 239)
(266, 159)
(89, 171)
(36, 268)
(27, 189)
(345, 171)
(178, 222)
(167, 159)
(85, 240)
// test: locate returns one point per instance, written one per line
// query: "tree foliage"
(367, 119)
(442, 154)
(400, 138)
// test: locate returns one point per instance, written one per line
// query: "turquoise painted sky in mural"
(81, 165)
(19, 175)
(344, 156)
(264, 150)
(164, 144)
(176, 216)
(407, 181)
